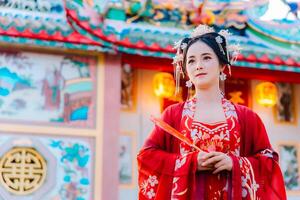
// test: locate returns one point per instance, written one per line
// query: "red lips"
(200, 74)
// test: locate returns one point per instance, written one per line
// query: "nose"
(199, 67)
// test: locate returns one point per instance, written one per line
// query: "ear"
(223, 68)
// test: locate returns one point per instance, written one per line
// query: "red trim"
(151, 63)
(74, 37)
(264, 74)
(277, 60)
(164, 64)
(264, 58)
(112, 38)
(291, 61)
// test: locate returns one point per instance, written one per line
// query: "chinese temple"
(78, 80)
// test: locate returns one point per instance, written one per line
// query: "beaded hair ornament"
(231, 50)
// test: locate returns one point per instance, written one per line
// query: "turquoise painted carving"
(75, 159)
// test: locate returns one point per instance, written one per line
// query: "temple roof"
(150, 28)
(41, 24)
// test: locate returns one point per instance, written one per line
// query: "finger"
(211, 154)
(208, 166)
(200, 161)
(223, 167)
(220, 163)
(205, 168)
(201, 154)
(212, 160)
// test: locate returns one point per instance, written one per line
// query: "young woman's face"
(202, 65)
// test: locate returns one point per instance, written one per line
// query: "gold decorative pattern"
(22, 170)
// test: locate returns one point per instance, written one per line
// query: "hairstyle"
(217, 41)
(210, 39)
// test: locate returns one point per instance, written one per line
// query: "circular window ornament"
(22, 170)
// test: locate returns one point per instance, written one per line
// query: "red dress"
(168, 167)
(211, 137)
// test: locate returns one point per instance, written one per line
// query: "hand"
(219, 160)
(200, 160)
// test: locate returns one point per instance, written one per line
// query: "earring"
(222, 93)
(222, 76)
(188, 84)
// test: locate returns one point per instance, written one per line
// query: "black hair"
(210, 40)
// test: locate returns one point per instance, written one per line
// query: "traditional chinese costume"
(168, 167)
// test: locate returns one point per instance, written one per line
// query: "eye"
(206, 58)
(190, 61)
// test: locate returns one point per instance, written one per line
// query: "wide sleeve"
(158, 165)
(256, 169)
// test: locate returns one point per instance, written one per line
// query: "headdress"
(216, 40)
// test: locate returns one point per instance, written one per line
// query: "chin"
(204, 83)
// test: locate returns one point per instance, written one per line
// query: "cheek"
(213, 66)
(189, 70)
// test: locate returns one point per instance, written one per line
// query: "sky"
(278, 10)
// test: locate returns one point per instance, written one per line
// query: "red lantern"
(164, 85)
(266, 94)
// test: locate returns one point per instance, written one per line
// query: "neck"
(209, 95)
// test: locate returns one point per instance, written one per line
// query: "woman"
(236, 160)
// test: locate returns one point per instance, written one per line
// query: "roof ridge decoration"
(284, 30)
(182, 14)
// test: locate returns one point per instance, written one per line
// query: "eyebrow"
(204, 54)
(191, 57)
